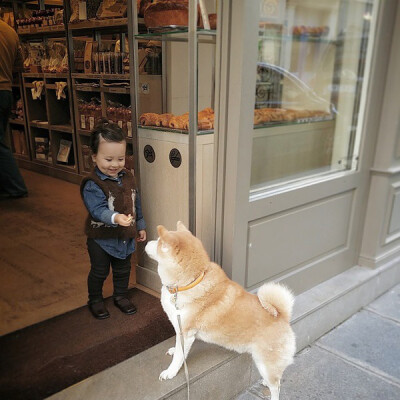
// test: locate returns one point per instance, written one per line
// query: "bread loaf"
(167, 12)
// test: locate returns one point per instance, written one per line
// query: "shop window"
(311, 80)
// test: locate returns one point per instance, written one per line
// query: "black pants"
(100, 262)
(11, 180)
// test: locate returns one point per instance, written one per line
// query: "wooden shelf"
(41, 126)
(82, 88)
(16, 121)
(65, 167)
(30, 85)
(42, 162)
(45, 75)
(83, 132)
(101, 76)
(56, 75)
(62, 128)
(120, 90)
(21, 156)
(33, 75)
(43, 30)
(99, 24)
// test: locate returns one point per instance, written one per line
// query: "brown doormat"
(45, 358)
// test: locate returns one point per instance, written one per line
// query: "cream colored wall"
(178, 77)
(381, 238)
(165, 191)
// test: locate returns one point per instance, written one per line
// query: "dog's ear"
(161, 230)
(167, 240)
(181, 227)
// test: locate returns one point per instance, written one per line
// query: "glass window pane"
(310, 77)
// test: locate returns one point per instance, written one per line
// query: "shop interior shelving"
(58, 120)
(18, 132)
(176, 165)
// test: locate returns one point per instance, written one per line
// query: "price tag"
(83, 122)
(91, 123)
(129, 126)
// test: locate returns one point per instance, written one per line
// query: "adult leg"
(99, 270)
(11, 180)
(121, 270)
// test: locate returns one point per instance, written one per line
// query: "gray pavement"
(359, 359)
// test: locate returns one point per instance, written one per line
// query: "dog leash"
(174, 289)
(178, 316)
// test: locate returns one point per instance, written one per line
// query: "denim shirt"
(96, 202)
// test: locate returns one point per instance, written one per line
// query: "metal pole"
(192, 36)
(134, 81)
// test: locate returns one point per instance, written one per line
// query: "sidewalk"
(359, 359)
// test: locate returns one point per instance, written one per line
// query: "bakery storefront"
(269, 127)
(283, 188)
(307, 159)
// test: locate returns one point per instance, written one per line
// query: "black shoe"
(99, 310)
(125, 305)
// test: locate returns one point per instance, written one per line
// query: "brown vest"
(121, 199)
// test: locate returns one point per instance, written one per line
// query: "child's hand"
(141, 236)
(123, 220)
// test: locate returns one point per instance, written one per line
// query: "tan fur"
(218, 310)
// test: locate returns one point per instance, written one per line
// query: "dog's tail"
(277, 299)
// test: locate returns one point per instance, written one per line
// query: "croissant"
(179, 122)
(260, 119)
(206, 112)
(276, 114)
(205, 125)
(164, 119)
(148, 119)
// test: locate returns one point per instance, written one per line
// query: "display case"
(176, 143)
(310, 56)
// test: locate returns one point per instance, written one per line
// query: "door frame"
(235, 208)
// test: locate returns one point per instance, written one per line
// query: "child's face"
(110, 157)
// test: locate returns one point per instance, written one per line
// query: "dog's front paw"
(171, 351)
(167, 374)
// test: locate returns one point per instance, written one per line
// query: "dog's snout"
(151, 249)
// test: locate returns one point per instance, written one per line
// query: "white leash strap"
(178, 316)
(183, 352)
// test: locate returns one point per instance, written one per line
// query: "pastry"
(205, 125)
(179, 122)
(148, 119)
(167, 12)
(164, 119)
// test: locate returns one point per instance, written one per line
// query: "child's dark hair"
(108, 131)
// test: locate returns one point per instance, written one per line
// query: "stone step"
(219, 374)
(215, 373)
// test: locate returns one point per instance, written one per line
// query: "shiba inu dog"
(217, 310)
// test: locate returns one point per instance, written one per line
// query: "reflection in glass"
(310, 75)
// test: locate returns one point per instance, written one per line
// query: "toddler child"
(115, 218)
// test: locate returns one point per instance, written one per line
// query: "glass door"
(295, 99)
(311, 67)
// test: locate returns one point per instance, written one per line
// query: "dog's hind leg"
(270, 379)
(178, 358)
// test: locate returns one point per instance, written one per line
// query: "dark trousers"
(100, 262)
(11, 180)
